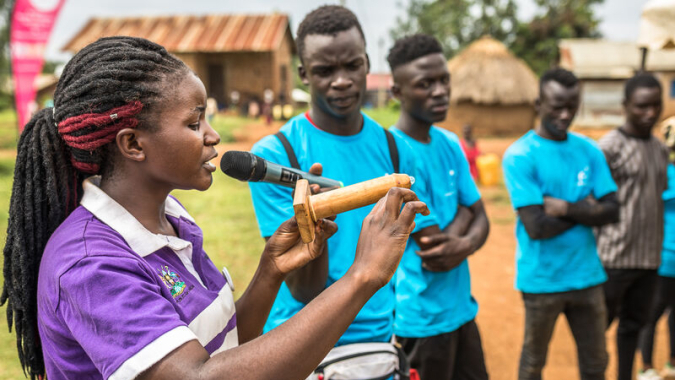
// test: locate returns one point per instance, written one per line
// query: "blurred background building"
(231, 53)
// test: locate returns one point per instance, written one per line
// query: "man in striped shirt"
(630, 249)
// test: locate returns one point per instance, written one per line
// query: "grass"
(9, 133)
(227, 125)
(385, 116)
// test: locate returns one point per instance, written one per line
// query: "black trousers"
(629, 294)
(665, 300)
(457, 355)
(586, 314)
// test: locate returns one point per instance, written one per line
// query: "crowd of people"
(106, 275)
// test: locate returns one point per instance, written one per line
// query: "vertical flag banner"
(32, 22)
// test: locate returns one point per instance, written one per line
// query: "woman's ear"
(130, 145)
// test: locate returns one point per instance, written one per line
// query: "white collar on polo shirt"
(119, 219)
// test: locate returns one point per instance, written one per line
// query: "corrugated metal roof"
(603, 59)
(187, 34)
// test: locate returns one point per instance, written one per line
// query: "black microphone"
(248, 167)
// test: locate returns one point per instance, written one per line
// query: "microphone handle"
(285, 176)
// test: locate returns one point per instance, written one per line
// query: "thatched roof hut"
(492, 90)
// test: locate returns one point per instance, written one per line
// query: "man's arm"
(443, 250)
(590, 212)
(458, 227)
(539, 225)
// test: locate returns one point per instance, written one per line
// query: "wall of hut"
(490, 120)
(249, 73)
(667, 79)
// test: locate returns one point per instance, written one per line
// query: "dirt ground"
(501, 313)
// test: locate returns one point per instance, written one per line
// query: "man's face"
(423, 87)
(335, 69)
(557, 106)
(644, 108)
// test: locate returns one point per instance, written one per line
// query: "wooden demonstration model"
(310, 208)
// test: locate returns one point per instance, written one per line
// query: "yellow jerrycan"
(489, 171)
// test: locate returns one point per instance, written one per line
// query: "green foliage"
(537, 41)
(456, 23)
(49, 67)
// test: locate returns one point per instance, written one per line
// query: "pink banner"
(32, 22)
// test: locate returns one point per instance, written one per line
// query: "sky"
(620, 18)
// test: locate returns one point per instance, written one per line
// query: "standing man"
(434, 308)
(560, 186)
(351, 147)
(631, 248)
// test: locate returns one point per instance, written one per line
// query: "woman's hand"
(286, 251)
(384, 235)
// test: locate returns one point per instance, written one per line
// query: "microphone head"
(243, 166)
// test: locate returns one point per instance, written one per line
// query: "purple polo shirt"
(114, 298)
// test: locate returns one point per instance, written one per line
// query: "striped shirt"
(639, 167)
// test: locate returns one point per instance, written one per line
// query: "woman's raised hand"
(287, 252)
(384, 235)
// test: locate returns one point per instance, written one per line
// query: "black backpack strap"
(393, 150)
(289, 150)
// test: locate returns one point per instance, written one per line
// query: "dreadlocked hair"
(114, 83)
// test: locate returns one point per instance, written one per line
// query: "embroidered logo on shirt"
(172, 281)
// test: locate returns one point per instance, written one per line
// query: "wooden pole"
(310, 208)
(643, 60)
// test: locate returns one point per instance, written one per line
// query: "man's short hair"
(326, 20)
(641, 80)
(409, 48)
(565, 77)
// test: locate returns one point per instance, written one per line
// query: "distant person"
(211, 109)
(268, 99)
(253, 109)
(435, 311)
(560, 185)
(665, 294)
(630, 249)
(352, 148)
(470, 148)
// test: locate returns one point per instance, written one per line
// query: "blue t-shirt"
(432, 303)
(667, 268)
(350, 159)
(571, 170)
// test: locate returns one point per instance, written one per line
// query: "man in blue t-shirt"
(561, 186)
(351, 148)
(435, 311)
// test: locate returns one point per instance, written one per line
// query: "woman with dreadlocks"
(105, 273)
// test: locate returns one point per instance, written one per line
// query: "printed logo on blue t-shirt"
(582, 177)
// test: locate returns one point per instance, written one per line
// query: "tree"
(537, 41)
(456, 23)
